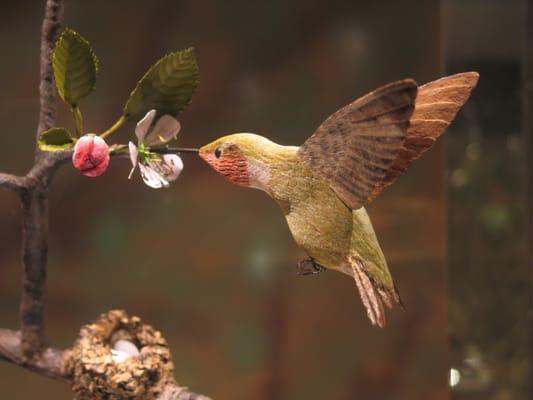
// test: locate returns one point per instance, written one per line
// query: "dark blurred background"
(212, 265)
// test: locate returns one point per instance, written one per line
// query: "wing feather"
(436, 105)
(354, 149)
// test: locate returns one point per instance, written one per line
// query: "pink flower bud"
(91, 155)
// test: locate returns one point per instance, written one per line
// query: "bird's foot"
(309, 266)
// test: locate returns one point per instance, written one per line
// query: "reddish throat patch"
(232, 166)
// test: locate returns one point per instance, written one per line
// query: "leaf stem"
(118, 150)
(78, 119)
(116, 126)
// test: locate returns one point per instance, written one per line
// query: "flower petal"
(165, 129)
(134, 154)
(176, 165)
(143, 125)
(151, 178)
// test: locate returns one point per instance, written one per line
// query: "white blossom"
(157, 170)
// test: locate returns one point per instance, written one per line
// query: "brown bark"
(49, 363)
(10, 182)
(173, 392)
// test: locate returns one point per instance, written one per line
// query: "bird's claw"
(309, 266)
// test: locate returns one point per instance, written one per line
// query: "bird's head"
(241, 158)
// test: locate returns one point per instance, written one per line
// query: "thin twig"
(173, 150)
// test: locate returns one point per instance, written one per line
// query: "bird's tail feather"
(373, 295)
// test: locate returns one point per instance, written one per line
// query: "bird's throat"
(233, 167)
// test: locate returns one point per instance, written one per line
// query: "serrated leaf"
(167, 86)
(55, 139)
(75, 67)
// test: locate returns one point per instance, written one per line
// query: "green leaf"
(75, 67)
(167, 86)
(55, 139)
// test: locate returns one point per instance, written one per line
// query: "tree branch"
(27, 347)
(52, 21)
(34, 255)
(174, 392)
(50, 363)
(35, 198)
(11, 182)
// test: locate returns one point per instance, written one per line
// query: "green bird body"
(322, 186)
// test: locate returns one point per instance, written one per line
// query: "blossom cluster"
(92, 153)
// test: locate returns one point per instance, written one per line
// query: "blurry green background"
(212, 265)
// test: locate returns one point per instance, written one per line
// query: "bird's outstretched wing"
(354, 148)
(436, 105)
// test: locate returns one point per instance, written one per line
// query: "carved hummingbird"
(323, 185)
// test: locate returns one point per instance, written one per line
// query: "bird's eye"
(218, 152)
